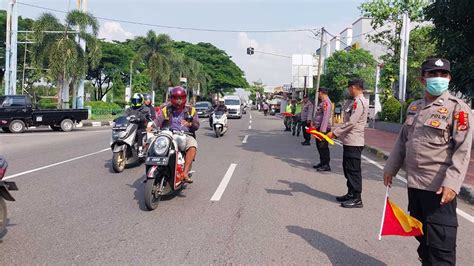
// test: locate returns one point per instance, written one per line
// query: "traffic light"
(250, 51)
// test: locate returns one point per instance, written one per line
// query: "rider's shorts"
(191, 142)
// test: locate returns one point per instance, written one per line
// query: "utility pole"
(404, 40)
(320, 61)
(79, 101)
(11, 48)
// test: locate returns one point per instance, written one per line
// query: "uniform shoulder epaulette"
(459, 101)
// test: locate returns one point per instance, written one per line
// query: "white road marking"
(404, 180)
(250, 121)
(250, 116)
(245, 139)
(54, 164)
(50, 133)
(250, 126)
(225, 181)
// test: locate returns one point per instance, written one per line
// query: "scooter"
(164, 166)
(5, 186)
(219, 123)
(124, 143)
(273, 110)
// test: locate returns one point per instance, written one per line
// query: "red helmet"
(178, 97)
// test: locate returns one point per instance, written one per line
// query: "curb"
(94, 124)
(466, 193)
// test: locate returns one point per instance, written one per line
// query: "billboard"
(302, 66)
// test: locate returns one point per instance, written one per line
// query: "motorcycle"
(219, 123)
(273, 110)
(165, 166)
(124, 143)
(5, 186)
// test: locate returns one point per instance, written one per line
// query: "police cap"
(432, 64)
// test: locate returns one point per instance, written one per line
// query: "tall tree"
(344, 65)
(387, 22)
(62, 53)
(224, 74)
(114, 65)
(156, 51)
(454, 32)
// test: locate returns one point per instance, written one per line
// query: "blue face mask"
(437, 86)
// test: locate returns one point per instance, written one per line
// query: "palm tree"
(62, 53)
(155, 50)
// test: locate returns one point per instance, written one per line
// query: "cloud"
(114, 31)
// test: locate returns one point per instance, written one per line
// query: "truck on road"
(234, 106)
(17, 114)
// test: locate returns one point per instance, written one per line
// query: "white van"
(233, 104)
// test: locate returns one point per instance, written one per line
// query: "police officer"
(322, 123)
(291, 109)
(351, 133)
(306, 116)
(296, 119)
(434, 144)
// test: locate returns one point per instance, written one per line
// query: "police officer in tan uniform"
(351, 133)
(306, 117)
(435, 146)
(322, 123)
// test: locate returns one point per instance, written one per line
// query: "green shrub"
(391, 110)
(96, 105)
(47, 103)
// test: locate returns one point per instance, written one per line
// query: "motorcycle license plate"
(157, 161)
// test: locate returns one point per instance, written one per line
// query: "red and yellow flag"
(397, 222)
(318, 135)
(286, 114)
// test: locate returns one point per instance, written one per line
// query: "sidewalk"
(94, 123)
(381, 143)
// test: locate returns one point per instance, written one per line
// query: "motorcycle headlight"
(161, 145)
(118, 134)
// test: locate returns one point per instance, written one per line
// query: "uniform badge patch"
(413, 108)
(325, 106)
(443, 110)
(439, 63)
(354, 106)
(463, 120)
(435, 123)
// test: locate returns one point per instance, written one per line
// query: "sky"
(235, 15)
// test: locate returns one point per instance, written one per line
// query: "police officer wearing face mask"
(435, 146)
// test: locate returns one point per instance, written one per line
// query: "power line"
(175, 27)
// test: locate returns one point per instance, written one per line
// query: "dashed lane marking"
(225, 181)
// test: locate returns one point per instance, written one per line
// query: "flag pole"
(383, 214)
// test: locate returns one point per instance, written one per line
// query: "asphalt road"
(275, 209)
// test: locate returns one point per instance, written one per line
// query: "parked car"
(203, 109)
(17, 114)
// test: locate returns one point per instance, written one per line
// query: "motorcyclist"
(141, 117)
(147, 100)
(175, 116)
(220, 107)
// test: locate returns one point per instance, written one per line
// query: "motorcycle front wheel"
(3, 215)
(151, 194)
(218, 132)
(118, 161)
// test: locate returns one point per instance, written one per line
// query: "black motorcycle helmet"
(147, 97)
(136, 101)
